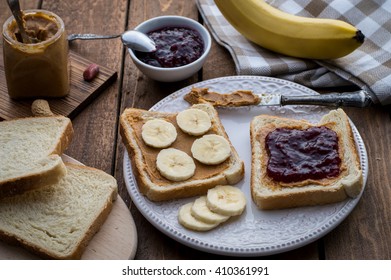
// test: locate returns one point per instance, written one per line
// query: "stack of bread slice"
(48, 206)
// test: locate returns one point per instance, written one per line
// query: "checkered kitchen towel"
(368, 67)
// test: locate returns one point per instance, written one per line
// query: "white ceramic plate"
(256, 232)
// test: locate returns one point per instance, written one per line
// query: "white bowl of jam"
(182, 46)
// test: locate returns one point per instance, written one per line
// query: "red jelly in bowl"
(175, 47)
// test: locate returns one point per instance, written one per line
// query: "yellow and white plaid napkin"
(368, 67)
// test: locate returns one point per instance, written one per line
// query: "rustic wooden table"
(364, 234)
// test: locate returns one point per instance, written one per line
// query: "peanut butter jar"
(39, 68)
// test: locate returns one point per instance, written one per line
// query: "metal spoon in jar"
(18, 15)
(132, 39)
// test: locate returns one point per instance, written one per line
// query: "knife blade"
(358, 99)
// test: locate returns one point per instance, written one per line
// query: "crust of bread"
(147, 184)
(52, 173)
(80, 244)
(34, 180)
(269, 194)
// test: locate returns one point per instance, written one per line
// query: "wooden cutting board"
(80, 95)
(116, 239)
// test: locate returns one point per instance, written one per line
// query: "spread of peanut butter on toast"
(150, 154)
(236, 98)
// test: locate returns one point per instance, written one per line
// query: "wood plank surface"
(81, 92)
(96, 126)
(364, 234)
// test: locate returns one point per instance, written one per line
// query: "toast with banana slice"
(179, 154)
(298, 163)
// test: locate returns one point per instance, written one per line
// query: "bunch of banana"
(273, 29)
(174, 164)
(207, 212)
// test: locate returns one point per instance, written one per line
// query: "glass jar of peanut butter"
(38, 68)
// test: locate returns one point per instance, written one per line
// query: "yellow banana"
(304, 37)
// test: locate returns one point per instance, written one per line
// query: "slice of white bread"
(59, 220)
(270, 194)
(30, 150)
(143, 158)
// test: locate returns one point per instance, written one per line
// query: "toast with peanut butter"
(298, 163)
(180, 154)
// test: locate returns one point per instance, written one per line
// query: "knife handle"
(359, 99)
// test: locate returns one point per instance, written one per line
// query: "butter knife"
(359, 99)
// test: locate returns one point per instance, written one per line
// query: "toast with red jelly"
(298, 163)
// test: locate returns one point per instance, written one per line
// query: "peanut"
(91, 72)
(41, 108)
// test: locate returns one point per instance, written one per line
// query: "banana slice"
(226, 200)
(201, 212)
(186, 219)
(211, 149)
(175, 165)
(158, 133)
(194, 121)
